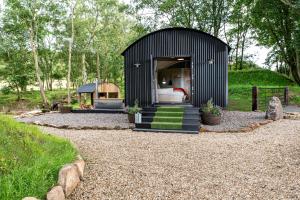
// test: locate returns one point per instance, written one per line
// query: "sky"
(259, 53)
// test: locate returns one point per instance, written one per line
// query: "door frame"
(154, 97)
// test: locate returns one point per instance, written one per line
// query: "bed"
(170, 95)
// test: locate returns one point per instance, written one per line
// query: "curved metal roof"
(175, 28)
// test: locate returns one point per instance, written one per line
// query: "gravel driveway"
(231, 120)
(79, 120)
(121, 164)
(236, 120)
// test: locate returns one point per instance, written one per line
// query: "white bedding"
(169, 95)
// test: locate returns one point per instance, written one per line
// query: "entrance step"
(170, 119)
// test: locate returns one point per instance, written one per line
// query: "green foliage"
(135, 108)
(203, 15)
(258, 78)
(241, 83)
(29, 100)
(6, 90)
(210, 108)
(275, 22)
(29, 159)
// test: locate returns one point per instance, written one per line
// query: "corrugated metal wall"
(208, 80)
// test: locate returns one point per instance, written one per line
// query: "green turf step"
(168, 114)
(166, 125)
(167, 119)
(170, 109)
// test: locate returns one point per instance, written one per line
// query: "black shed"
(176, 65)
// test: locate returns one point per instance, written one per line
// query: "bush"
(74, 101)
(135, 108)
(6, 90)
(210, 108)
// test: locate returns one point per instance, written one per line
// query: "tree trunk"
(69, 70)
(84, 74)
(237, 47)
(98, 66)
(36, 65)
(243, 49)
(70, 54)
(295, 69)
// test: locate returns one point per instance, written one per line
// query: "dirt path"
(264, 164)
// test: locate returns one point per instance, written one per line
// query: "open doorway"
(173, 80)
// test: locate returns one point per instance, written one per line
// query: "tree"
(72, 8)
(205, 15)
(277, 26)
(16, 63)
(27, 22)
(237, 35)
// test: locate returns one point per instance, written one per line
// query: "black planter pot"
(131, 118)
(210, 119)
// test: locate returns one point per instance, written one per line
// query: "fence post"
(286, 96)
(254, 98)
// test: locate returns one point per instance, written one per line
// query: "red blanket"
(180, 89)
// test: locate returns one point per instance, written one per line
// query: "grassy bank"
(29, 159)
(241, 83)
(29, 99)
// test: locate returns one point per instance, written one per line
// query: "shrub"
(6, 90)
(210, 108)
(135, 108)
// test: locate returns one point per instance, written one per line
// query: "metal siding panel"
(209, 80)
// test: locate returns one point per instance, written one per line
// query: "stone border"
(79, 127)
(291, 115)
(69, 177)
(248, 128)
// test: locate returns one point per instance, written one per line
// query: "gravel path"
(231, 120)
(263, 164)
(236, 120)
(77, 120)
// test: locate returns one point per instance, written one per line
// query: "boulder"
(274, 111)
(80, 167)
(56, 193)
(68, 178)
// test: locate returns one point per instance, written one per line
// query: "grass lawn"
(29, 99)
(241, 83)
(29, 159)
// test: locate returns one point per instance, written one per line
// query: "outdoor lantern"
(137, 65)
(211, 61)
(164, 81)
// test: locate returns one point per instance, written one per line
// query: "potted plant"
(132, 111)
(211, 114)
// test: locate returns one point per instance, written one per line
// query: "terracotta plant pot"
(65, 109)
(131, 118)
(210, 119)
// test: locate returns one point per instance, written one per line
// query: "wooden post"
(92, 99)
(254, 98)
(286, 96)
(79, 98)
